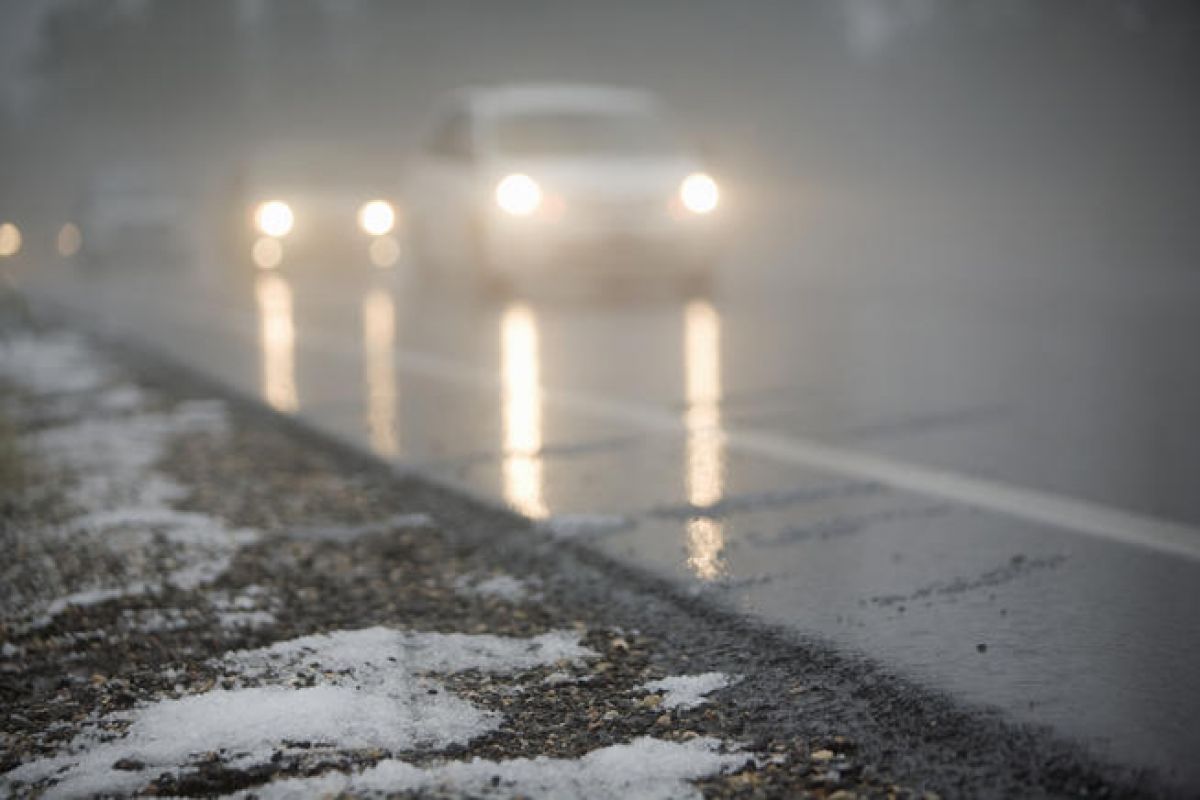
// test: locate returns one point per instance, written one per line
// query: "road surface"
(952, 436)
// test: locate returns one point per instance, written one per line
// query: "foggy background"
(1066, 113)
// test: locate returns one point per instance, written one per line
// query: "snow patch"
(245, 619)
(644, 769)
(358, 689)
(154, 620)
(380, 647)
(688, 691)
(125, 505)
(502, 587)
(50, 364)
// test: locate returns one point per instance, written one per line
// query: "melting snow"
(110, 449)
(366, 689)
(245, 619)
(503, 587)
(50, 364)
(688, 691)
(644, 769)
(154, 620)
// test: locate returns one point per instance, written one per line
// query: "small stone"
(611, 715)
(981, 647)
(822, 755)
(620, 645)
(652, 701)
(842, 794)
(128, 765)
(663, 720)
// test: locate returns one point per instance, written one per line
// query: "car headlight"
(518, 195)
(274, 218)
(377, 217)
(10, 239)
(699, 193)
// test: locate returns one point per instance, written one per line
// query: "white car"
(558, 180)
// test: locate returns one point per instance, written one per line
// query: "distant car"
(131, 213)
(538, 180)
(316, 204)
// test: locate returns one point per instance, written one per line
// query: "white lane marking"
(1032, 505)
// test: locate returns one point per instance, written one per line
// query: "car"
(314, 204)
(533, 181)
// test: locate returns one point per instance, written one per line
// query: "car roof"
(534, 97)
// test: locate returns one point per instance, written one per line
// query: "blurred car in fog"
(316, 204)
(130, 214)
(559, 179)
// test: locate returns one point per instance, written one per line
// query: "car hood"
(602, 177)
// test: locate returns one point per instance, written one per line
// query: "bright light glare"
(377, 217)
(10, 240)
(521, 412)
(69, 240)
(519, 195)
(705, 454)
(699, 193)
(274, 218)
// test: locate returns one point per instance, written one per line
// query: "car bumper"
(515, 249)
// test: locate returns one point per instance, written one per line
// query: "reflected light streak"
(379, 346)
(521, 412)
(277, 342)
(705, 453)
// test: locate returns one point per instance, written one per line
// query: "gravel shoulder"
(201, 597)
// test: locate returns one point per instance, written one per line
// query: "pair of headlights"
(275, 218)
(520, 195)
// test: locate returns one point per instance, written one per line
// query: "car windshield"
(583, 133)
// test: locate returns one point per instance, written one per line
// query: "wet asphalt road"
(971, 457)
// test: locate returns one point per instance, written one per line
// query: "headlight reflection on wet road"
(379, 350)
(521, 408)
(705, 449)
(277, 342)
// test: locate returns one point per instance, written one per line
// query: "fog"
(883, 98)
